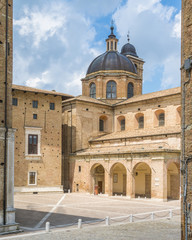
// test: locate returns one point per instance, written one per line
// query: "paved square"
(34, 210)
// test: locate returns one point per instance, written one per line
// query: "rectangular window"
(122, 124)
(79, 168)
(35, 104)
(34, 116)
(52, 106)
(32, 178)
(101, 125)
(32, 144)
(14, 101)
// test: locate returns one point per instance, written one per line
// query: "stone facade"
(133, 162)
(7, 211)
(186, 71)
(41, 170)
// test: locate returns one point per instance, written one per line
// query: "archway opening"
(118, 179)
(173, 182)
(98, 179)
(142, 180)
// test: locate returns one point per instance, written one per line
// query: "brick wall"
(2, 84)
(186, 52)
(49, 122)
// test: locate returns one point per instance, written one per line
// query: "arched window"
(111, 90)
(93, 90)
(161, 119)
(130, 90)
(141, 122)
(103, 123)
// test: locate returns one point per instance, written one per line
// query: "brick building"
(117, 140)
(186, 156)
(7, 211)
(37, 119)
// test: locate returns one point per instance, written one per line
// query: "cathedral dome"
(129, 49)
(111, 60)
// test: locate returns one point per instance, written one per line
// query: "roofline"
(85, 100)
(40, 91)
(149, 98)
(136, 136)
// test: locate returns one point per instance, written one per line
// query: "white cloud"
(155, 31)
(62, 39)
(41, 24)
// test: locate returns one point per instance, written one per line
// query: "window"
(93, 90)
(161, 119)
(32, 178)
(111, 90)
(130, 90)
(35, 104)
(32, 144)
(14, 101)
(122, 124)
(108, 46)
(34, 116)
(79, 168)
(52, 106)
(111, 45)
(101, 125)
(141, 122)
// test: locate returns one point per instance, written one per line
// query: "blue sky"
(56, 40)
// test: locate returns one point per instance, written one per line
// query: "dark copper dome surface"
(129, 49)
(111, 60)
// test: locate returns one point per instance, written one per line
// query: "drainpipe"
(5, 120)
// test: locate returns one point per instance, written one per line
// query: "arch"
(173, 181)
(103, 123)
(97, 173)
(121, 123)
(159, 120)
(139, 120)
(92, 90)
(130, 90)
(118, 175)
(178, 115)
(142, 180)
(111, 90)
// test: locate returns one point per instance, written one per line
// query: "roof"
(139, 133)
(86, 99)
(111, 60)
(37, 90)
(143, 97)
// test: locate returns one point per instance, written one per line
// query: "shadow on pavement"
(30, 218)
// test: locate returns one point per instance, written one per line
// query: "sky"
(54, 41)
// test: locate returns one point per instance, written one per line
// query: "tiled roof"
(139, 133)
(163, 93)
(36, 90)
(87, 99)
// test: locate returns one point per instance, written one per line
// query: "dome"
(111, 60)
(129, 49)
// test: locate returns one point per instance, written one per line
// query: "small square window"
(14, 102)
(79, 168)
(35, 104)
(52, 106)
(32, 178)
(34, 116)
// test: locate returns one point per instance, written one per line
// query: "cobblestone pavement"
(156, 230)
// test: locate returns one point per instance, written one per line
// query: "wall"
(186, 52)
(48, 164)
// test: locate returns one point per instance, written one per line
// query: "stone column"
(107, 183)
(129, 191)
(158, 179)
